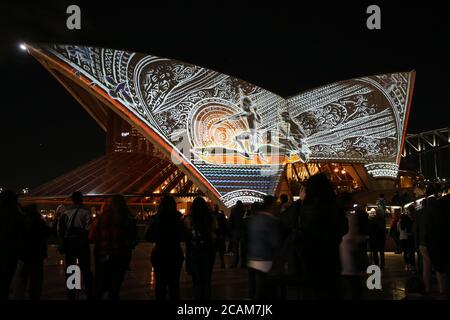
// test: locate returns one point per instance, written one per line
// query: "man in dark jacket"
(263, 240)
(32, 252)
(322, 226)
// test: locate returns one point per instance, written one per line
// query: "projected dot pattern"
(238, 136)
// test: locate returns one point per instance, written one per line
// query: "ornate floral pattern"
(359, 120)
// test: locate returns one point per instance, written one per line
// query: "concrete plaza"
(226, 283)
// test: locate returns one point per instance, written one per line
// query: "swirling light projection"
(382, 170)
(233, 137)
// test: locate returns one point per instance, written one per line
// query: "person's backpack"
(73, 237)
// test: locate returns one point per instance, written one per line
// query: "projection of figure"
(176, 106)
(293, 137)
(253, 121)
(118, 89)
(83, 54)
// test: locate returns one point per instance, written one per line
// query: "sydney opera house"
(173, 127)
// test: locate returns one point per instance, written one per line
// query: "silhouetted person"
(73, 228)
(166, 230)
(393, 230)
(438, 240)
(322, 226)
(221, 233)
(263, 241)
(32, 252)
(115, 237)
(405, 226)
(244, 239)
(286, 261)
(421, 228)
(236, 224)
(354, 260)
(377, 230)
(10, 230)
(201, 226)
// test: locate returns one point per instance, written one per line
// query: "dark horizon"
(282, 49)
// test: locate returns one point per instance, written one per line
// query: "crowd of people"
(24, 236)
(23, 247)
(317, 247)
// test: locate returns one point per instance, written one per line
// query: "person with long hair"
(377, 235)
(221, 233)
(115, 238)
(422, 236)
(166, 230)
(353, 250)
(201, 253)
(322, 226)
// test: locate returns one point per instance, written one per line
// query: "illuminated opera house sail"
(233, 139)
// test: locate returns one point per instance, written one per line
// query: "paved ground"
(226, 283)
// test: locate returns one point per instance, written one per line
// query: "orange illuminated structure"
(181, 129)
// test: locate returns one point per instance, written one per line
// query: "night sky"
(284, 48)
